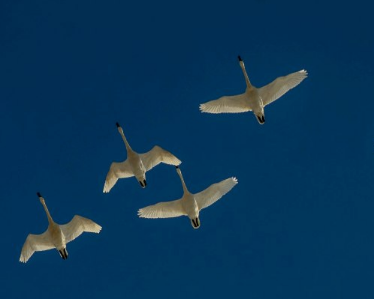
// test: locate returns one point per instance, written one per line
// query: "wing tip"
(143, 214)
(23, 258)
(202, 108)
(98, 229)
(304, 72)
(212, 109)
(140, 213)
(106, 188)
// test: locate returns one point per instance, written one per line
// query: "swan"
(137, 164)
(254, 99)
(190, 204)
(56, 235)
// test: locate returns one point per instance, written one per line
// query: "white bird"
(190, 204)
(56, 235)
(254, 99)
(137, 164)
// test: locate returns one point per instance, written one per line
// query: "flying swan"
(190, 204)
(56, 235)
(137, 164)
(254, 99)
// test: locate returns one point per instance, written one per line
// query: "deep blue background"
(298, 225)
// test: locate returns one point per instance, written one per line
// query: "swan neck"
(183, 183)
(128, 147)
(249, 85)
(50, 220)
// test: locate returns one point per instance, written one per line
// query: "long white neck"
(50, 220)
(128, 147)
(182, 180)
(249, 85)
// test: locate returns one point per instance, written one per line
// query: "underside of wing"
(273, 91)
(213, 193)
(227, 104)
(157, 155)
(77, 226)
(167, 209)
(117, 171)
(35, 243)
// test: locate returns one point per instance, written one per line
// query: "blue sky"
(298, 224)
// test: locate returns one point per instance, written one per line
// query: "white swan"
(190, 204)
(254, 99)
(56, 235)
(137, 164)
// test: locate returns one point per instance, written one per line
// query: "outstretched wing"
(117, 171)
(274, 90)
(167, 209)
(77, 226)
(227, 104)
(213, 193)
(35, 243)
(157, 155)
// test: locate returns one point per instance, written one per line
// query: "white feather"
(274, 90)
(77, 226)
(167, 209)
(227, 104)
(157, 155)
(35, 243)
(213, 193)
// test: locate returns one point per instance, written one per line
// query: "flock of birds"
(253, 99)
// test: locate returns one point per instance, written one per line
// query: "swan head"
(40, 197)
(178, 170)
(119, 127)
(241, 62)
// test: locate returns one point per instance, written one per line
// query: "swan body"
(190, 204)
(56, 235)
(137, 164)
(254, 99)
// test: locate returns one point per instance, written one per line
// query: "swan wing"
(167, 209)
(157, 155)
(227, 104)
(213, 193)
(35, 243)
(274, 90)
(117, 171)
(77, 226)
